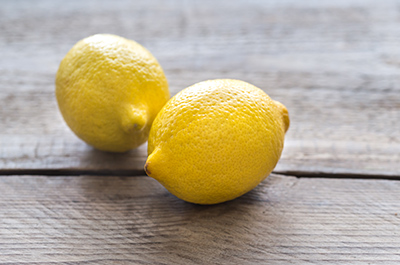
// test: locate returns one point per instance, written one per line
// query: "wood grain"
(134, 220)
(334, 64)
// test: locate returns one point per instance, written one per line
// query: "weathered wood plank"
(125, 220)
(334, 64)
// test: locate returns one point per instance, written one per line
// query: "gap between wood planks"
(133, 173)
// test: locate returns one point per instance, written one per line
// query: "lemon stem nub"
(285, 114)
(134, 121)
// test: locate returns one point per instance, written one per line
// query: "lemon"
(109, 90)
(216, 140)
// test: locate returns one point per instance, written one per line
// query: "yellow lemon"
(216, 140)
(109, 90)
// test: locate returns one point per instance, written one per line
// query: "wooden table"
(334, 197)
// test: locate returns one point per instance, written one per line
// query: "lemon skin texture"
(216, 140)
(109, 90)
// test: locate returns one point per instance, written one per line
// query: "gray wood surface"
(334, 64)
(134, 220)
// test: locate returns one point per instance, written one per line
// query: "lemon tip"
(146, 168)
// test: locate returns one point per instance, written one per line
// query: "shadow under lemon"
(186, 233)
(129, 163)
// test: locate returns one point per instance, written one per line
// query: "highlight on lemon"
(216, 140)
(109, 90)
